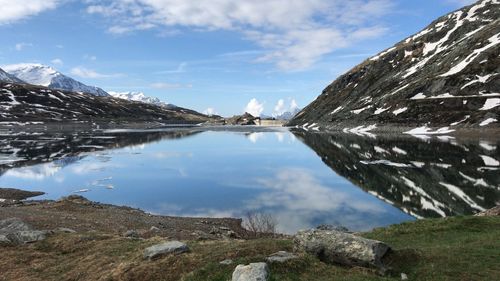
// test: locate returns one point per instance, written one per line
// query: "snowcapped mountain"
(287, 115)
(445, 77)
(141, 97)
(6, 77)
(42, 75)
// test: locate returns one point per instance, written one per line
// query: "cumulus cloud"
(281, 107)
(254, 107)
(16, 10)
(89, 73)
(294, 33)
(210, 111)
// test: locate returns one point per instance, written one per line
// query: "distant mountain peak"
(141, 97)
(43, 75)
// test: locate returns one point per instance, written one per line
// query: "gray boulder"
(253, 272)
(172, 247)
(281, 256)
(340, 247)
(12, 225)
(14, 231)
(28, 236)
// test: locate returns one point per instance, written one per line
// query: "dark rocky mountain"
(6, 77)
(424, 178)
(447, 75)
(47, 76)
(29, 103)
(244, 119)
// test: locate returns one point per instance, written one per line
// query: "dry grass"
(462, 248)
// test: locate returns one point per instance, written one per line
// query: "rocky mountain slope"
(28, 103)
(446, 77)
(141, 97)
(47, 76)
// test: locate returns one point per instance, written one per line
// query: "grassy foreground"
(459, 248)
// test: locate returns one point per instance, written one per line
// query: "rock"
(154, 229)
(77, 199)
(172, 247)
(27, 236)
(65, 230)
(252, 272)
(226, 262)
(332, 227)
(131, 234)
(495, 211)
(4, 239)
(404, 276)
(281, 256)
(339, 247)
(12, 225)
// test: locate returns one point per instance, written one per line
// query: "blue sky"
(224, 55)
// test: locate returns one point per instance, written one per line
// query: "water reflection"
(425, 178)
(193, 172)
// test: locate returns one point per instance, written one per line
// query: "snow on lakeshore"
(424, 130)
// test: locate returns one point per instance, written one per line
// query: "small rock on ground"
(281, 256)
(252, 272)
(226, 262)
(172, 247)
(131, 234)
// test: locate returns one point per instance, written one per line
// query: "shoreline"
(80, 214)
(85, 241)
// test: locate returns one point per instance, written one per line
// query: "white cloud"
(293, 105)
(21, 46)
(57, 62)
(294, 33)
(169, 86)
(254, 107)
(281, 107)
(210, 111)
(89, 73)
(16, 10)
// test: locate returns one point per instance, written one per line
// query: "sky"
(214, 56)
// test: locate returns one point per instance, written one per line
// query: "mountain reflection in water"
(197, 172)
(425, 178)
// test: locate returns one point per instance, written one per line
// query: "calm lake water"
(304, 179)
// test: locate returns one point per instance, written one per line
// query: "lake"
(302, 178)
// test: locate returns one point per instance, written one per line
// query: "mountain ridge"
(452, 65)
(43, 75)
